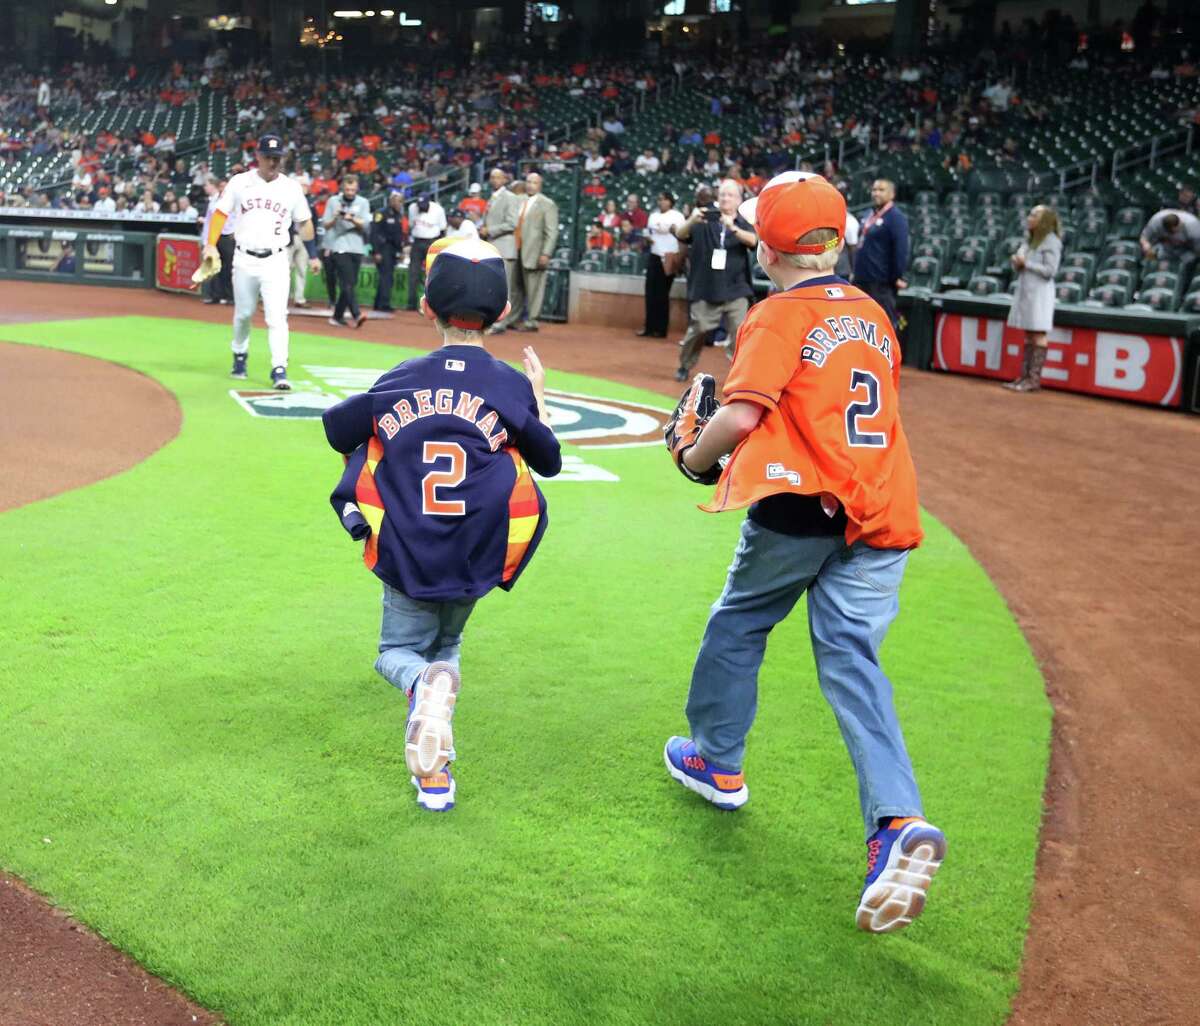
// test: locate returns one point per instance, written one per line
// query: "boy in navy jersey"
(438, 483)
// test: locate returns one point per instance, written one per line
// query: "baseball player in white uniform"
(266, 204)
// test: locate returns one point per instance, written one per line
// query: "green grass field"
(200, 763)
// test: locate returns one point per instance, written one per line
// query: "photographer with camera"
(719, 279)
(347, 221)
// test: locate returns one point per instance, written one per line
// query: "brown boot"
(1019, 384)
(1033, 383)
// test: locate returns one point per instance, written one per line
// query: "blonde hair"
(826, 261)
(349, 179)
(451, 334)
(1047, 222)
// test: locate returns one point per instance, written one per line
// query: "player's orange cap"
(793, 204)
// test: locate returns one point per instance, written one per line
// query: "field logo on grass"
(603, 423)
(590, 421)
(298, 405)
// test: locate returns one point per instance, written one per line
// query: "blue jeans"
(852, 600)
(415, 634)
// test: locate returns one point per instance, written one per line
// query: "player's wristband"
(311, 246)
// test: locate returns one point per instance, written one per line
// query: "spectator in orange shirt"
(598, 238)
(345, 152)
(371, 141)
(595, 189)
(365, 165)
(474, 205)
(713, 138)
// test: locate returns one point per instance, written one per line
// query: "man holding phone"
(719, 279)
(347, 220)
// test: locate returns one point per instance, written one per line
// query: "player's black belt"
(262, 252)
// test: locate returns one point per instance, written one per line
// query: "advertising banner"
(1142, 367)
(176, 257)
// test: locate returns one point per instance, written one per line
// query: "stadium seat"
(925, 273)
(1128, 222)
(1154, 279)
(1077, 259)
(1159, 300)
(1122, 247)
(1109, 295)
(1115, 276)
(1120, 262)
(1080, 276)
(1190, 303)
(969, 260)
(929, 246)
(983, 285)
(1005, 248)
(1068, 292)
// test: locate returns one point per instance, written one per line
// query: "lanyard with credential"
(876, 215)
(719, 255)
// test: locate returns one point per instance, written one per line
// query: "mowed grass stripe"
(188, 712)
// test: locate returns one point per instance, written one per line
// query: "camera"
(712, 215)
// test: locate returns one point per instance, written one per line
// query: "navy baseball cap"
(465, 283)
(270, 144)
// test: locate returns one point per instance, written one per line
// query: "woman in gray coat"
(1036, 263)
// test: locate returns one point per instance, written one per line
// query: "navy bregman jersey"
(443, 476)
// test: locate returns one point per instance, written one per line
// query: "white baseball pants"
(269, 277)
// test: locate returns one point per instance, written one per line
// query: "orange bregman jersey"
(823, 361)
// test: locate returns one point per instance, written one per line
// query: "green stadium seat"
(1128, 222)
(1190, 303)
(1155, 279)
(969, 260)
(983, 285)
(1159, 300)
(1120, 262)
(1122, 247)
(1080, 276)
(1068, 292)
(1115, 276)
(1108, 295)
(925, 273)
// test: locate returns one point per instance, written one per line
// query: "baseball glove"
(210, 264)
(697, 406)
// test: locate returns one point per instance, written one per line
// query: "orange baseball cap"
(793, 204)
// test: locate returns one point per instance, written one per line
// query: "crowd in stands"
(398, 125)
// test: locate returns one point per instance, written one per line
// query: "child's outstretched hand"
(537, 378)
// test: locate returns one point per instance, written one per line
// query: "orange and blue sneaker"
(901, 860)
(726, 789)
(428, 737)
(436, 791)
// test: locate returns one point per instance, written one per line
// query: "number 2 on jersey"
(431, 504)
(872, 439)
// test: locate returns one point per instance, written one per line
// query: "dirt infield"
(1080, 510)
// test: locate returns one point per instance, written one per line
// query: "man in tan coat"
(499, 224)
(536, 236)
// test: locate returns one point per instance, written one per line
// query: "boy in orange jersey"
(812, 420)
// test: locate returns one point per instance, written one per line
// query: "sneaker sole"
(240, 377)
(429, 739)
(727, 800)
(435, 802)
(898, 894)
(282, 386)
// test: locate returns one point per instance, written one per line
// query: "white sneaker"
(428, 738)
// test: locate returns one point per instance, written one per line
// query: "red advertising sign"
(1099, 361)
(176, 257)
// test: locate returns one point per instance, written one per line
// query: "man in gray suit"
(536, 235)
(499, 226)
